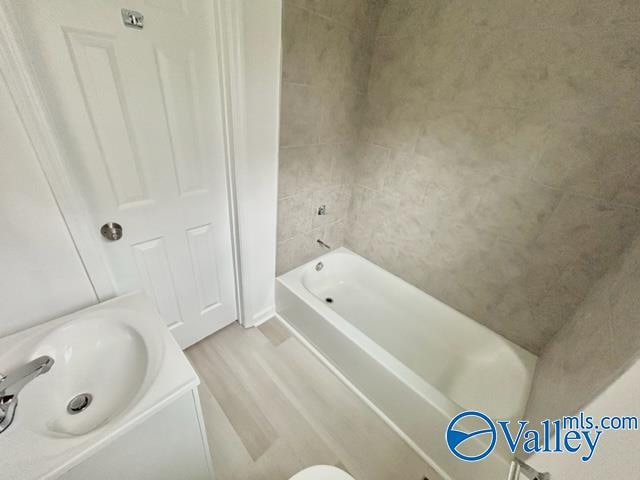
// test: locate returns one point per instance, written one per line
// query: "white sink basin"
(114, 360)
(119, 353)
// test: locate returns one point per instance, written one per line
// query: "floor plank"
(238, 404)
(272, 408)
(369, 449)
(275, 331)
(228, 453)
(244, 353)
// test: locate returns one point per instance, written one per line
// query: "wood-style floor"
(272, 408)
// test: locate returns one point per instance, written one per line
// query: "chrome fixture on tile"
(322, 210)
(12, 383)
(322, 244)
(319, 266)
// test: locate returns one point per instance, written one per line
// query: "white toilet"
(322, 472)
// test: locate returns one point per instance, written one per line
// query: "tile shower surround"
(486, 152)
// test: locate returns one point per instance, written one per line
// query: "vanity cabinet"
(169, 445)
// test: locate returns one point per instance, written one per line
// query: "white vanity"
(120, 400)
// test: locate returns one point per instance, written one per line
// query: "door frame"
(28, 97)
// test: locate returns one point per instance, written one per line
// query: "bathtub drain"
(328, 300)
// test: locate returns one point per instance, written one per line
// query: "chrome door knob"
(111, 231)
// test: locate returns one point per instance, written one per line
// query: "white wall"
(41, 276)
(257, 88)
(616, 456)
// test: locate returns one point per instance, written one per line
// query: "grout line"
(314, 229)
(456, 106)
(322, 144)
(613, 26)
(528, 179)
(332, 19)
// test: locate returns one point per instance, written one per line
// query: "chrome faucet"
(12, 383)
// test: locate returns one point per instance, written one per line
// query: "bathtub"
(416, 361)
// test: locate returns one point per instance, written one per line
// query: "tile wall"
(327, 48)
(594, 347)
(487, 152)
(499, 161)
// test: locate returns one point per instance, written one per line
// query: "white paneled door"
(139, 114)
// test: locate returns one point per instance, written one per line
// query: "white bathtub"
(416, 360)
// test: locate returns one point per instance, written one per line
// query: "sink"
(116, 364)
(112, 360)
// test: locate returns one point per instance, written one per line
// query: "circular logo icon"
(458, 439)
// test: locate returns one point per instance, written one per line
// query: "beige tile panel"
(401, 68)
(352, 14)
(336, 200)
(295, 215)
(486, 140)
(515, 210)
(541, 14)
(296, 45)
(332, 48)
(583, 238)
(299, 109)
(593, 160)
(304, 247)
(307, 168)
(594, 347)
(560, 73)
(339, 118)
(409, 17)
(393, 124)
(625, 305)
(373, 164)
(629, 192)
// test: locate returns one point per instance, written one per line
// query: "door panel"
(176, 71)
(203, 261)
(169, 6)
(157, 278)
(102, 87)
(140, 119)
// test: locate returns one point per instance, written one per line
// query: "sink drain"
(79, 403)
(328, 300)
